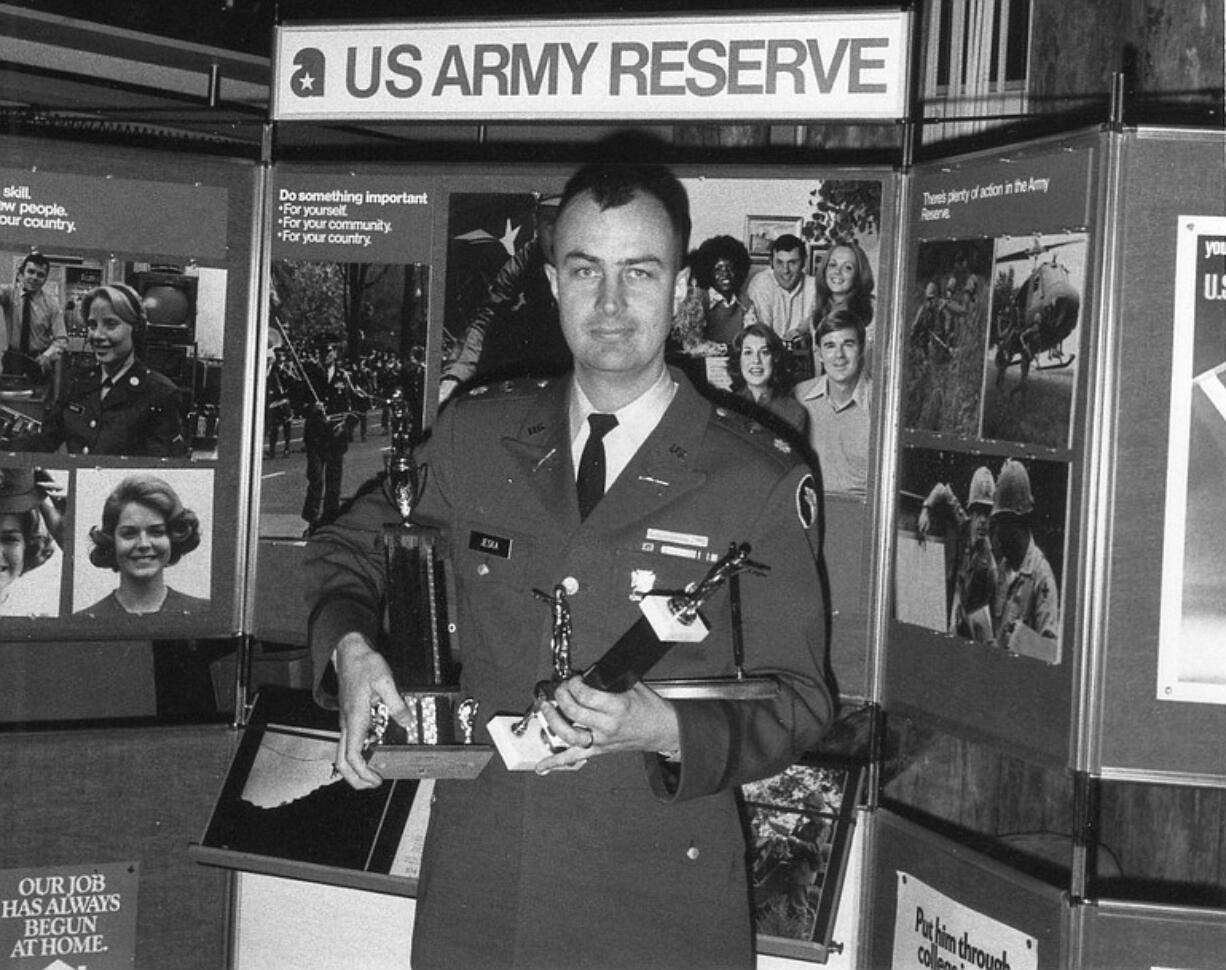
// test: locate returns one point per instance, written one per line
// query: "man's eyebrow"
(579, 254)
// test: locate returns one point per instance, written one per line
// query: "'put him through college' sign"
(812, 67)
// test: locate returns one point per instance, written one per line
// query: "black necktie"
(590, 482)
(24, 345)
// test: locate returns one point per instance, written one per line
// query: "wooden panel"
(79, 797)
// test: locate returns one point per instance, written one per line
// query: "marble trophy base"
(434, 745)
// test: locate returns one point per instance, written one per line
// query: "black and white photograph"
(946, 331)
(980, 549)
(800, 825)
(282, 800)
(113, 356)
(143, 542)
(1031, 371)
(346, 347)
(33, 503)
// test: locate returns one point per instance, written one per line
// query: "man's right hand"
(365, 679)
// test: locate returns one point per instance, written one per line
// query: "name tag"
(492, 545)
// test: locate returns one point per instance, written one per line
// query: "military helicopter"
(1030, 329)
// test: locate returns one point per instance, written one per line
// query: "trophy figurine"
(669, 617)
(438, 741)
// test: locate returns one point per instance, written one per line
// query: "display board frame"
(491, 208)
(901, 849)
(1163, 200)
(969, 218)
(123, 212)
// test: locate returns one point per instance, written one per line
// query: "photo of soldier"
(943, 361)
(1030, 371)
(501, 316)
(344, 337)
(32, 506)
(980, 548)
(35, 336)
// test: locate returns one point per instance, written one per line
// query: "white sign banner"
(801, 68)
(934, 932)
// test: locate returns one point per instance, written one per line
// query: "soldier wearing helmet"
(1027, 608)
(970, 566)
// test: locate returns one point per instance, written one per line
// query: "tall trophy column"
(438, 741)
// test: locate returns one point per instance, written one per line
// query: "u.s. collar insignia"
(806, 501)
(783, 446)
(536, 428)
(484, 389)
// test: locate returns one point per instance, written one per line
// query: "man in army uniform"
(633, 830)
(331, 416)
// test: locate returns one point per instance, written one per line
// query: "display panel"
(285, 810)
(1157, 670)
(364, 257)
(994, 330)
(124, 294)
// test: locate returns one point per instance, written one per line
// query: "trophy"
(438, 741)
(669, 617)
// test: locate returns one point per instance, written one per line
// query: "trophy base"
(757, 687)
(452, 761)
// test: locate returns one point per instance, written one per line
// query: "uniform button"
(93, 424)
(692, 853)
(85, 450)
(483, 569)
(571, 585)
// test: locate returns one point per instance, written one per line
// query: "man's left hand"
(595, 722)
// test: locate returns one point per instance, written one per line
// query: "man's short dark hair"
(35, 258)
(840, 319)
(787, 243)
(613, 185)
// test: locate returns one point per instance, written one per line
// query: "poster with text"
(1191, 661)
(932, 930)
(125, 280)
(344, 361)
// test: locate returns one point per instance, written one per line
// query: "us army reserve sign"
(817, 66)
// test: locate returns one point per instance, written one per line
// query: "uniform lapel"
(541, 451)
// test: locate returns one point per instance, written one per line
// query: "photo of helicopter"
(1032, 339)
(1030, 328)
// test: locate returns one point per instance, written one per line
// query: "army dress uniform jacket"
(139, 416)
(629, 861)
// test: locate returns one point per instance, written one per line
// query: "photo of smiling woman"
(144, 529)
(119, 406)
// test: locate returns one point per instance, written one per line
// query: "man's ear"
(551, 273)
(681, 286)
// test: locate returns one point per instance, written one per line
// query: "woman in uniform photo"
(144, 530)
(119, 406)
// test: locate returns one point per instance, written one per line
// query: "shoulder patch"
(806, 501)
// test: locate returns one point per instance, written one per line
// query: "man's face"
(787, 269)
(12, 548)
(1012, 535)
(839, 352)
(723, 273)
(33, 277)
(615, 280)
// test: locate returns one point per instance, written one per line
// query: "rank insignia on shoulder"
(806, 501)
